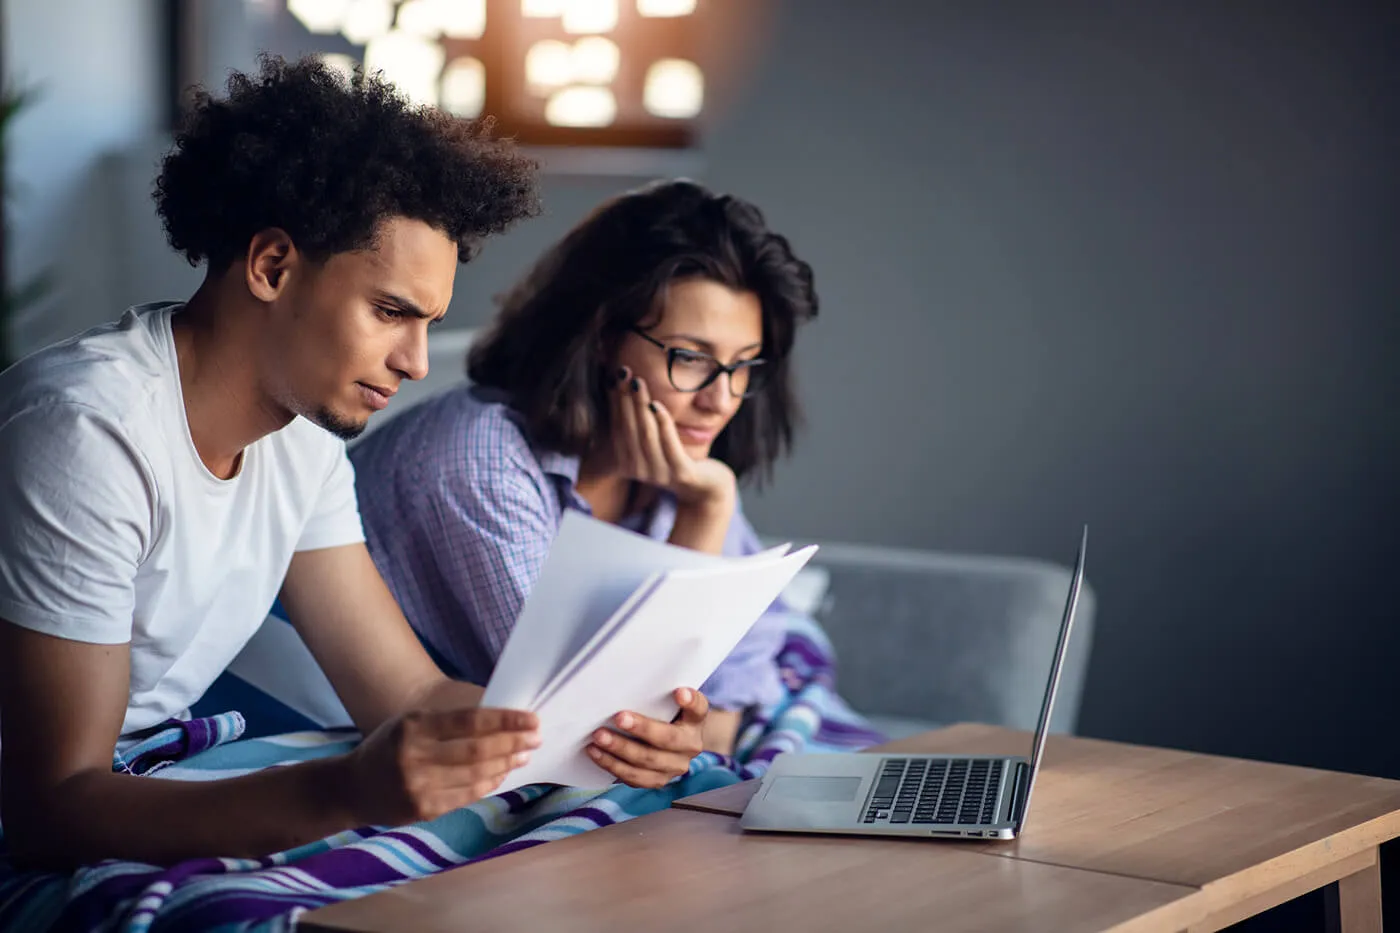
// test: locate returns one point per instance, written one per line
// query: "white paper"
(592, 568)
(675, 636)
(599, 638)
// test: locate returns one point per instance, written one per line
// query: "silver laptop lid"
(1043, 727)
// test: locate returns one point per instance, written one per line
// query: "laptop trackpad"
(815, 789)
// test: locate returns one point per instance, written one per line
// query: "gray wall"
(96, 67)
(1130, 264)
(1090, 262)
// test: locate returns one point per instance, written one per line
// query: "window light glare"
(585, 16)
(548, 65)
(421, 17)
(674, 88)
(594, 60)
(463, 19)
(342, 64)
(366, 20)
(411, 63)
(464, 87)
(665, 7)
(542, 9)
(581, 106)
(322, 17)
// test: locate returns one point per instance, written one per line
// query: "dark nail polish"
(636, 385)
(652, 405)
(621, 375)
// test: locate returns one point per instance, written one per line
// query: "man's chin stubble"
(342, 428)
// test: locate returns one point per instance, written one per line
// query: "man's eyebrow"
(408, 307)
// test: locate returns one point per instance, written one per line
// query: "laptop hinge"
(1018, 794)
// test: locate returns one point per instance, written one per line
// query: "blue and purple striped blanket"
(270, 894)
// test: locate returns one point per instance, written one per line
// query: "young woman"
(637, 373)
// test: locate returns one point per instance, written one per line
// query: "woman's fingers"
(625, 432)
(616, 398)
(678, 462)
(648, 440)
(694, 706)
(669, 761)
(628, 773)
(667, 737)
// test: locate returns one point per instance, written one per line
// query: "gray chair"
(925, 639)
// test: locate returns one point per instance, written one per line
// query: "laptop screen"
(1043, 727)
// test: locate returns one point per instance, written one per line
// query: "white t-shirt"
(112, 530)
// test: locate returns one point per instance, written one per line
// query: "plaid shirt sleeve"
(495, 514)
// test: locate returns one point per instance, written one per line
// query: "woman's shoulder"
(477, 426)
(463, 432)
(483, 446)
(484, 424)
(444, 422)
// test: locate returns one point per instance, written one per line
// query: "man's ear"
(271, 257)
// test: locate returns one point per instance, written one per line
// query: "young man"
(162, 477)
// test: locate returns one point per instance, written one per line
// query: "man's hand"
(658, 751)
(428, 748)
(438, 757)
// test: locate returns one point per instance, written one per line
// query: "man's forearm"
(435, 691)
(99, 815)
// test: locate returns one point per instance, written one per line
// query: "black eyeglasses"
(690, 370)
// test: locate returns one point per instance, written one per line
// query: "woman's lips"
(696, 435)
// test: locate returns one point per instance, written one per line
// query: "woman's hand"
(648, 449)
(655, 752)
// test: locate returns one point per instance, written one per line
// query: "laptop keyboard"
(958, 791)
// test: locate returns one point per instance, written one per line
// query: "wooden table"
(1120, 837)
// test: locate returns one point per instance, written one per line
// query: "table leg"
(1354, 902)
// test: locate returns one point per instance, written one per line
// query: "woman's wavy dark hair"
(551, 346)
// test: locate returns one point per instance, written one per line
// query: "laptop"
(947, 796)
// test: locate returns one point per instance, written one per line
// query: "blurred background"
(1130, 264)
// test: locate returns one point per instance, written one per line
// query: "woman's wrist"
(702, 523)
(711, 508)
(715, 498)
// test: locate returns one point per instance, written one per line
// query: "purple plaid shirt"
(459, 512)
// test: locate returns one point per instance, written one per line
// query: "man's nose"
(411, 355)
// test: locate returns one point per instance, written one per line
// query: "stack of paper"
(616, 622)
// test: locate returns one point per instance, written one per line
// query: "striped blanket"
(270, 894)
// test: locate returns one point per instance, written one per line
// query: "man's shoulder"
(113, 372)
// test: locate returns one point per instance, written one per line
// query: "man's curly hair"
(325, 159)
